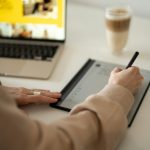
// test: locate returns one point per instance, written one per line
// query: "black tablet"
(91, 78)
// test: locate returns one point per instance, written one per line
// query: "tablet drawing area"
(91, 78)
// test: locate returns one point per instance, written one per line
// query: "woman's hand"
(24, 96)
(129, 78)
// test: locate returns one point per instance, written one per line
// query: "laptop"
(32, 37)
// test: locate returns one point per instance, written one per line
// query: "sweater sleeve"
(97, 123)
(111, 106)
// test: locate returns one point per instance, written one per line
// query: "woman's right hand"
(129, 78)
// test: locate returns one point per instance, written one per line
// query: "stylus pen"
(132, 59)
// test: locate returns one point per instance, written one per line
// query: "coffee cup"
(117, 27)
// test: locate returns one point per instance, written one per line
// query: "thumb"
(116, 70)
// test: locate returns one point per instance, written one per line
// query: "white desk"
(86, 39)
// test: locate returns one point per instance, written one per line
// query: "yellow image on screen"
(32, 11)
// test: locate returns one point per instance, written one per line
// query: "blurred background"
(139, 7)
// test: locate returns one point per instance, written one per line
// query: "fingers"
(25, 91)
(46, 93)
(25, 96)
(51, 94)
(41, 90)
(37, 99)
(130, 78)
(46, 97)
(136, 72)
(40, 99)
(133, 70)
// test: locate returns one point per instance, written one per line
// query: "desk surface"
(86, 39)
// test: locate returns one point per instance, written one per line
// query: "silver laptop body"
(34, 67)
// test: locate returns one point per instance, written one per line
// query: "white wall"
(140, 7)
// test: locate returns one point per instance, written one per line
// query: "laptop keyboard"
(36, 52)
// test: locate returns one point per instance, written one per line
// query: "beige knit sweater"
(99, 123)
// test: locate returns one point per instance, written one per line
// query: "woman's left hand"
(24, 96)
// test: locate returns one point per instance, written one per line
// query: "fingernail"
(59, 94)
(55, 100)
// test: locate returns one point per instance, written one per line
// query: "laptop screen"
(33, 19)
